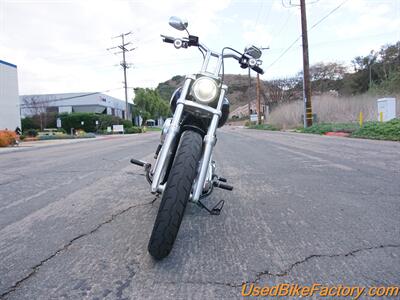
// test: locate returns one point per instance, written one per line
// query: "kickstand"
(216, 210)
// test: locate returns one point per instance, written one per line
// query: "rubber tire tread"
(176, 194)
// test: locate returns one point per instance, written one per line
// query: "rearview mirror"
(253, 51)
(178, 23)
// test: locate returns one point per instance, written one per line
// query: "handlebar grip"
(258, 70)
(168, 40)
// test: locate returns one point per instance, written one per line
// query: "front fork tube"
(209, 143)
(166, 150)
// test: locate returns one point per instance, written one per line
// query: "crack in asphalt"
(35, 268)
(286, 272)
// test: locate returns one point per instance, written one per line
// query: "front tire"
(176, 194)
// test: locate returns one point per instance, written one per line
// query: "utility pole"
(124, 66)
(308, 115)
(258, 100)
(249, 105)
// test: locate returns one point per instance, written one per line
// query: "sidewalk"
(39, 144)
(49, 143)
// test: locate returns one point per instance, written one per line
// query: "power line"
(326, 16)
(284, 52)
(298, 38)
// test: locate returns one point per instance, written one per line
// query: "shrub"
(133, 130)
(249, 123)
(31, 132)
(74, 120)
(62, 130)
(264, 127)
(29, 122)
(22, 137)
(380, 130)
(127, 123)
(7, 138)
(329, 109)
(330, 127)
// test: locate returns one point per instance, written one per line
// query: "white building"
(72, 102)
(9, 105)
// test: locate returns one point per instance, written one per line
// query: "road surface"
(75, 219)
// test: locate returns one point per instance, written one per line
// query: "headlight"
(205, 90)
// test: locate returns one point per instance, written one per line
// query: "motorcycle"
(184, 170)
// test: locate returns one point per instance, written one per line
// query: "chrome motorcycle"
(184, 169)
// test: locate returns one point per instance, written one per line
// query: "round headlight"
(205, 90)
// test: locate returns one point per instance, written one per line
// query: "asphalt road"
(75, 219)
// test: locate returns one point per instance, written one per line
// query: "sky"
(60, 46)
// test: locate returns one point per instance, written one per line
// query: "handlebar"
(194, 41)
(168, 39)
(258, 70)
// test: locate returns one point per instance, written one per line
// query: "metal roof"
(77, 99)
(7, 63)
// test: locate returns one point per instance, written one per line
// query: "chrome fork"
(209, 143)
(165, 153)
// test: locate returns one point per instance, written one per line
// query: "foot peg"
(146, 166)
(222, 179)
(139, 163)
(216, 210)
(223, 186)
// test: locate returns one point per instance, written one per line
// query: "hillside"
(239, 92)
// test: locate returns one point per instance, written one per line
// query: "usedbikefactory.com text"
(296, 290)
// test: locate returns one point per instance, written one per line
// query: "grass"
(153, 129)
(263, 127)
(380, 131)
(330, 127)
(370, 130)
(329, 109)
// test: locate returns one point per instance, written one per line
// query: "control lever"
(168, 39)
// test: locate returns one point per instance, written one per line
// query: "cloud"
(60, 46)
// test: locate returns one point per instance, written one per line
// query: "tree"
(327, 76)
(38, 108)
(150, 105)
(283, 90)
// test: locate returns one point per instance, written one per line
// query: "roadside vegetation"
(371, 130)
(340, 95)
(324, 128)
(83, 125)
(380, 131)
(150, 105)
(7, 138)
(261, 127)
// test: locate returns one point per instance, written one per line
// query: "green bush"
(127, 123)
(133, 130)
(264, 127)
(380, 130)
(31, 132)
(29, 122)
(74, 120)
(330, 127)
(62, 130)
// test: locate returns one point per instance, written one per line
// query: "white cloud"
(60, 46)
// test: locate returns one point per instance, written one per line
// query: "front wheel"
(176, 194)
